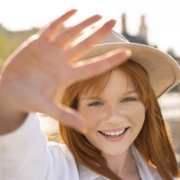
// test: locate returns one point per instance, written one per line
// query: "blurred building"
(141, 37)
(177, 59)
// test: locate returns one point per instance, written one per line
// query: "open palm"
(41, 66)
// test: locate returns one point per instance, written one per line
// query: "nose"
(114, 115)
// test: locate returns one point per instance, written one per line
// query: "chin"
(114, 151)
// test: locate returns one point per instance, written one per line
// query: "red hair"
(153, 141)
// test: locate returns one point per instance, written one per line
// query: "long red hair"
(153, 141)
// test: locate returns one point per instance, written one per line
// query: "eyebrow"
(130, 92)
(90, 98)
(98, 98)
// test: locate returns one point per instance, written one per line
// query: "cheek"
(138, 115)
(92, 117)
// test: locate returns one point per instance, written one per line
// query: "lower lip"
(113, 139)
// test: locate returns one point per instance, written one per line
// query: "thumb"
(64, 115)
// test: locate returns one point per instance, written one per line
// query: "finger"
(64, 115)
(83, 47)
(64, 38)
(50, 31)
(100, 64)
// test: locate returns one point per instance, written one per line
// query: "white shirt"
(26, 155)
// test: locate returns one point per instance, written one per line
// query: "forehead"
(118, 81)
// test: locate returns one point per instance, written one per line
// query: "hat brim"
(162, 69)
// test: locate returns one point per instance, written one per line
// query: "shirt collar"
(86, 174)
(146, 171)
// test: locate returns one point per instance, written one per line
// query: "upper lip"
(114, 130)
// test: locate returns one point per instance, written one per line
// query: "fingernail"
(111, 22)
(73, 10)
(123, 52)
(98, 16)
(128, 52)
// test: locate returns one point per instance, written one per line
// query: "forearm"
(10, 118)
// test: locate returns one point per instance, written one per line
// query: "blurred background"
(150, 22)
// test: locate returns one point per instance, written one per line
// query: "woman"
(121, 109)
(126, 136)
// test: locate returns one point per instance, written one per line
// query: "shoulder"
(56, 146)
(62, 150)
(63, 159)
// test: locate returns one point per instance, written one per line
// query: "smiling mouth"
(114, 134)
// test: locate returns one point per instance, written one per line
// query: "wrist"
(10, 118)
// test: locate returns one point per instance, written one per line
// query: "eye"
(128, 99)
(95, 104)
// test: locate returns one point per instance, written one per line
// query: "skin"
(118, 106)
(40, 67)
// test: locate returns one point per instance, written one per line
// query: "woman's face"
(115, 117)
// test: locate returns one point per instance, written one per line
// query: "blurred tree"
(171, 52)
(7, 46)
(154, 46)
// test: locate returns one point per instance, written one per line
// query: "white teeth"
(113, 133)
(116, 133)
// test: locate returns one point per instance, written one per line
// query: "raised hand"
(44, 64)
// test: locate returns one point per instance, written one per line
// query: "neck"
(123, 164)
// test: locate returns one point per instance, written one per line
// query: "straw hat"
(163, 70)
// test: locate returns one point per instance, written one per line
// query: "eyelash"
(124, 100)
(94, 103)
(129, 99)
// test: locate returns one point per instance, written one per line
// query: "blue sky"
(162, 16)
